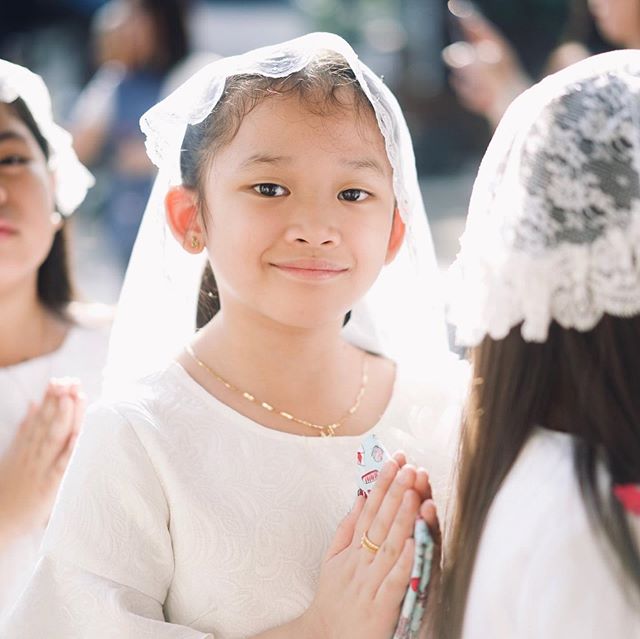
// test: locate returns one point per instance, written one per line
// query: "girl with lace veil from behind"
(202, 499)
(546, 292)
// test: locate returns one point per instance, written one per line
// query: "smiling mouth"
(311, 269)
(6, 231)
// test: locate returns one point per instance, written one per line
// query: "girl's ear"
(396, 237)
(182, 216)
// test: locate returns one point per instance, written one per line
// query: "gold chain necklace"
(327, 430)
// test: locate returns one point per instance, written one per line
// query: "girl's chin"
(309, 320)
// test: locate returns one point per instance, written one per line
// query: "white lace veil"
(401, 316)
(553, 231)
(71, 177)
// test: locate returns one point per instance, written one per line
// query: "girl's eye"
(270, 190)
(13, 160)
(353, 195)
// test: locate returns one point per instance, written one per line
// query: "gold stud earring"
(195, 242)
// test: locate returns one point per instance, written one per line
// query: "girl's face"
(300, 213)
(618, 20)
(27, 224)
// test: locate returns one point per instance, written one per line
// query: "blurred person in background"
(137, 43)
(487, 73)
(46, 335)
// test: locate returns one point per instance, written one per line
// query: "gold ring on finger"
(365, 542)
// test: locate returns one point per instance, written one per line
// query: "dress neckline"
(182, 376)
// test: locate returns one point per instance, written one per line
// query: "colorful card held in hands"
(371, 456)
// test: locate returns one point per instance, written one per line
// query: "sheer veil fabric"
(73, 180)
(553, 231)
(401, 316)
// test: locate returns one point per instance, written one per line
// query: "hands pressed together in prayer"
(361, 589)
(33, 465)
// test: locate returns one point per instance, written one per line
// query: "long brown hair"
(55, 283)
(583, 383)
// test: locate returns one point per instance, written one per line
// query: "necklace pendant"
(327, 431)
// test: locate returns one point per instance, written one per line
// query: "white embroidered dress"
(82, 355)
(179, 517)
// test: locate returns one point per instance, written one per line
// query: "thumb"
(344, 534)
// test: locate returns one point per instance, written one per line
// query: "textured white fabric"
(553, 231)
(82, 355)
(401, 316)
(540, 570)
(177, 507)
(71, 177)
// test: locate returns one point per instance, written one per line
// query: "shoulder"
(159, 406)
(83, 353)
(540, 562)
(91, 316)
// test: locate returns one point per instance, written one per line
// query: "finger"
(62, 461)
(23, 434)
(379, 528)
(476, 29)
(422, 485)
(383, 481)
(401, 529)
(59, 429)
(429, 513)
(400, 458)
(79, 410)
(344, 534)
(43, 416)
(394, 586)
(68, 385)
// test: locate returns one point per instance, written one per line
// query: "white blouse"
(541, 571)
(81, 355)
(179, 517)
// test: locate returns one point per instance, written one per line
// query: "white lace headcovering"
(553, 231)
(401, 316)
(72, 179)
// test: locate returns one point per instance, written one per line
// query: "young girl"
(546, 539)
(201, 503)
(44, 334)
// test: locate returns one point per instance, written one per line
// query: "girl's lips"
(311, 269)
(6, 231)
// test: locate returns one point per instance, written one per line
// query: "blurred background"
(454, 67)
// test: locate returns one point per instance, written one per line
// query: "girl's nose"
(314, 231)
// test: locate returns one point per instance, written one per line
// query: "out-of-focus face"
(27, 198)
(618, 21)
(124, 32)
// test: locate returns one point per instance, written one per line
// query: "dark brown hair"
(55, 284)
(319, 86)
(583, 383)
(171, 44)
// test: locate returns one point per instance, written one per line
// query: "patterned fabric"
(554, 221)
(179, 517)
(81, 355)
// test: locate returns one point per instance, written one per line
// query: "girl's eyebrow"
(265, 158)
(11, 135)
(369, 164)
